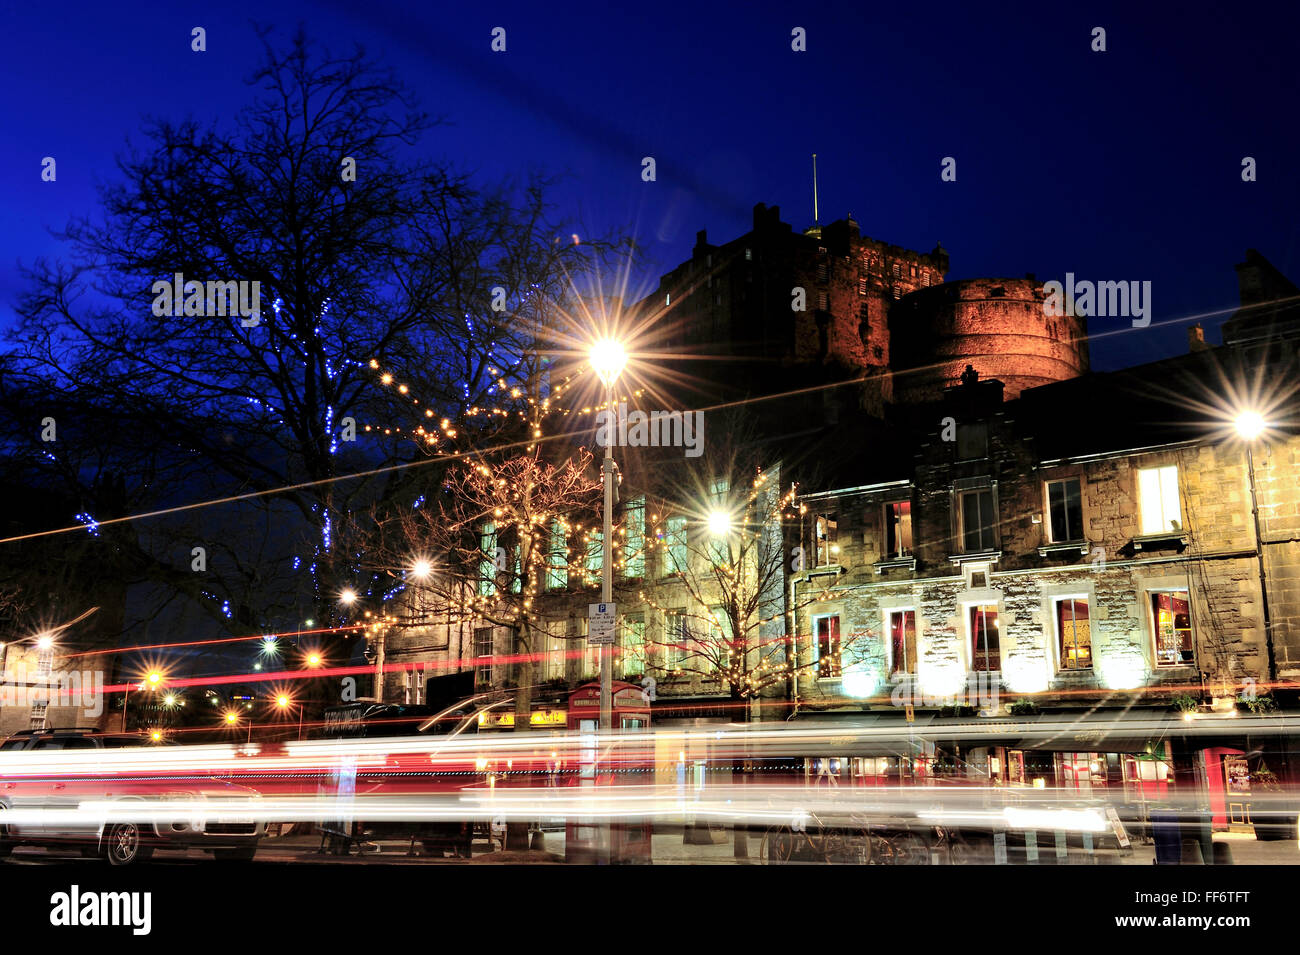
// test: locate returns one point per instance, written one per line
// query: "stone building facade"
(1036, 532)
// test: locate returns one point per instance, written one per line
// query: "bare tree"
(370, 270)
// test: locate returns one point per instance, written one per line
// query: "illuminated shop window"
(986, 644)
(1171, 620)
(902, 640)
(1074, 637)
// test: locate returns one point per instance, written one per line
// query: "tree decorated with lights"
(732, 551)
(360, 260)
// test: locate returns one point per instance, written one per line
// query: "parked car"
(122, 842)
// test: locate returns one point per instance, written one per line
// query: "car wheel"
(242, 854)
(124, 844)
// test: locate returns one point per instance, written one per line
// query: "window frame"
(625, 646)
(971, 610)
(634, 544)
(1052, 536)
(836, 668)
(961, 494)
(1153, 593)
(894, 669)
(1057, 600)
(1144, 518)
(893, 549)
(557, 557)
(483, 672)
(830, 540)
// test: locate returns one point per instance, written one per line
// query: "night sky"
(1115, 166)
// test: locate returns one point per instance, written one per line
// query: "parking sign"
(600, 627)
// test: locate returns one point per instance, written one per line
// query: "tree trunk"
(517, 829)
(740, 847)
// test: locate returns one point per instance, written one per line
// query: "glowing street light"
(421, 569)
(1249, 424)
(44, 642)
(284, 702)
(154, 679)
(608, 359)
(348, 596)
(313, 660)
(719, 523)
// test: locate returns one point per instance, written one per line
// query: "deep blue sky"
(1119, 165)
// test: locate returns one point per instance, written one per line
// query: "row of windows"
(673, 553)
(1170, 625)
(1159, 512)
(679, 645)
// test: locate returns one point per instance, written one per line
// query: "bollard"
(1222, 854)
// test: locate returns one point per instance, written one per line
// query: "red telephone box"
(618, 766)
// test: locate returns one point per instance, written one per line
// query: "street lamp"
(1250, 426)
(608, 359)
(284, 702)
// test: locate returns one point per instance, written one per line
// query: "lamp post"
(283, 702)
(608, 359)
(1250, 425)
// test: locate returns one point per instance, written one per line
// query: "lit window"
(720, 641)
(986, 645)
(556, 649)
(827, 633)
(902, 640)
(898, 529)
(828, 548)
(487, 564)
(1158, 500)
(719, 546)
(595, 556)
(1073, 633)
(483, 656)
(633, 645)
(1064, 510)
(1171, 619)
(557, 571)
(674, 546)
(634, 515)
(676, 638)
(978, 523)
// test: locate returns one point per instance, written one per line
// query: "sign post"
(600, 629)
